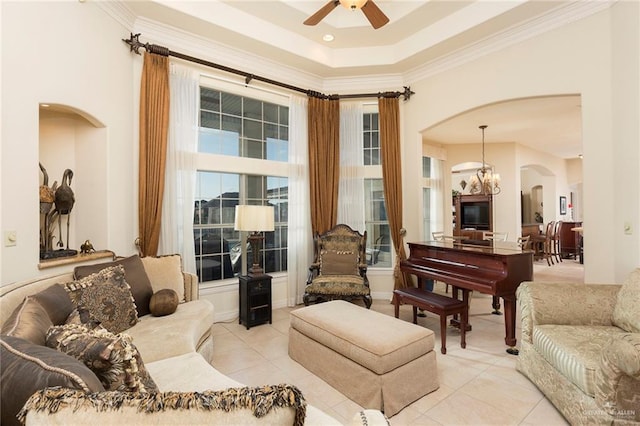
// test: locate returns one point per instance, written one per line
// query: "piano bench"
(437, 304)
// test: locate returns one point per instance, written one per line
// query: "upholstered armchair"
(339, 269)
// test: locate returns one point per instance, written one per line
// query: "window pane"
(426, 167)
(209, 99)
(232, 124)
(252, 108)
(252, 129)
(210, 119)
(270, 112)
(284, 115)
(252, 148)
(426, 213)
(231, 104)
(255, 189)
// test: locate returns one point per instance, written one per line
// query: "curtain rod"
(135, 44)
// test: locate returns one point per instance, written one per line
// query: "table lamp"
(255, 220)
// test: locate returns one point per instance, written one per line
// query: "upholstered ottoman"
(375, 360)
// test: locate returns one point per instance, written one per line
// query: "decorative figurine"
(87, 247)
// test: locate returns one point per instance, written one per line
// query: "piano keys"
(496, 268)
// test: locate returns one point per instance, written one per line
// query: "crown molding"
(550, 21)
(220, 53)
(190, 44)
(119, 12)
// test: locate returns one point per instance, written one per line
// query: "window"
(248, 129)
(377, 225)
(379, 253)
(243, 127)
(426, 200)
(432, 196)
(371, 135)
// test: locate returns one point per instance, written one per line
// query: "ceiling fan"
(373, 13)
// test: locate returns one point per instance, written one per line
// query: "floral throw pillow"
(107, 297)
(114, 359)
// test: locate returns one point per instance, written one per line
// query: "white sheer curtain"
(351, 187)
(437, 195)
(300, 239)
(176, 234)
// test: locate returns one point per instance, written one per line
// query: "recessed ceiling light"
(328, 37)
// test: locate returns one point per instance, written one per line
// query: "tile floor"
(478, 385)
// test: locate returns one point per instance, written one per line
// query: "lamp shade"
(254, 218)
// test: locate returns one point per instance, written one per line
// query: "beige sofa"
(581, 347)
(176, 350)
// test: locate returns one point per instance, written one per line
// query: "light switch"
(627, 228)
(10, 238)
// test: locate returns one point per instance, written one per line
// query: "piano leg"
(510, 323)
(455, 319)
(496, 306)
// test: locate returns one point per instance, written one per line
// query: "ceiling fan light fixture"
(352, 4)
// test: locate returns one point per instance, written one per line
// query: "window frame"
(221, 163)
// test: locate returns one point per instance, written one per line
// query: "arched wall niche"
(70, 138)
(537, 185)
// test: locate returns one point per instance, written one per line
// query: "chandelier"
(485, 182)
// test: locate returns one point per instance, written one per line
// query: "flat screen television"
(475, 215)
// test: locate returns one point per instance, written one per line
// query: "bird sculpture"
(46, 193)
(46, 203)
(64, 200)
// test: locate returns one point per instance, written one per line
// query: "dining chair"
(439, 236)
(547, 248)
(525, 242)
(556, 243)
(495, 236)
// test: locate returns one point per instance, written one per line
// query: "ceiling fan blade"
(320, 14)
(373, 13)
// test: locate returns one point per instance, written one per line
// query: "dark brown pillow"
(108, 298)
(334, 262)
(113, 358)
(164, 302)
(29, 321)
(27, 368)
(56, 301)
(135, 275)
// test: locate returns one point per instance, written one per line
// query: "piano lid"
(478, 246)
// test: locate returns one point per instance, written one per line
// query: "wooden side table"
(255, 300)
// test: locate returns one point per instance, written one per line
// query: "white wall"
(574, 59)
(65, 53)
(625, 183)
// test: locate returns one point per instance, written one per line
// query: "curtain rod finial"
(134, 43)
(407, 93)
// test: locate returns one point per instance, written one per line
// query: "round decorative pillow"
(163, 302)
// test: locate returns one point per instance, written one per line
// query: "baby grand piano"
(495, 267)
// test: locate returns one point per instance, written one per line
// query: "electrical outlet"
(627, 228)
(10, 238)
